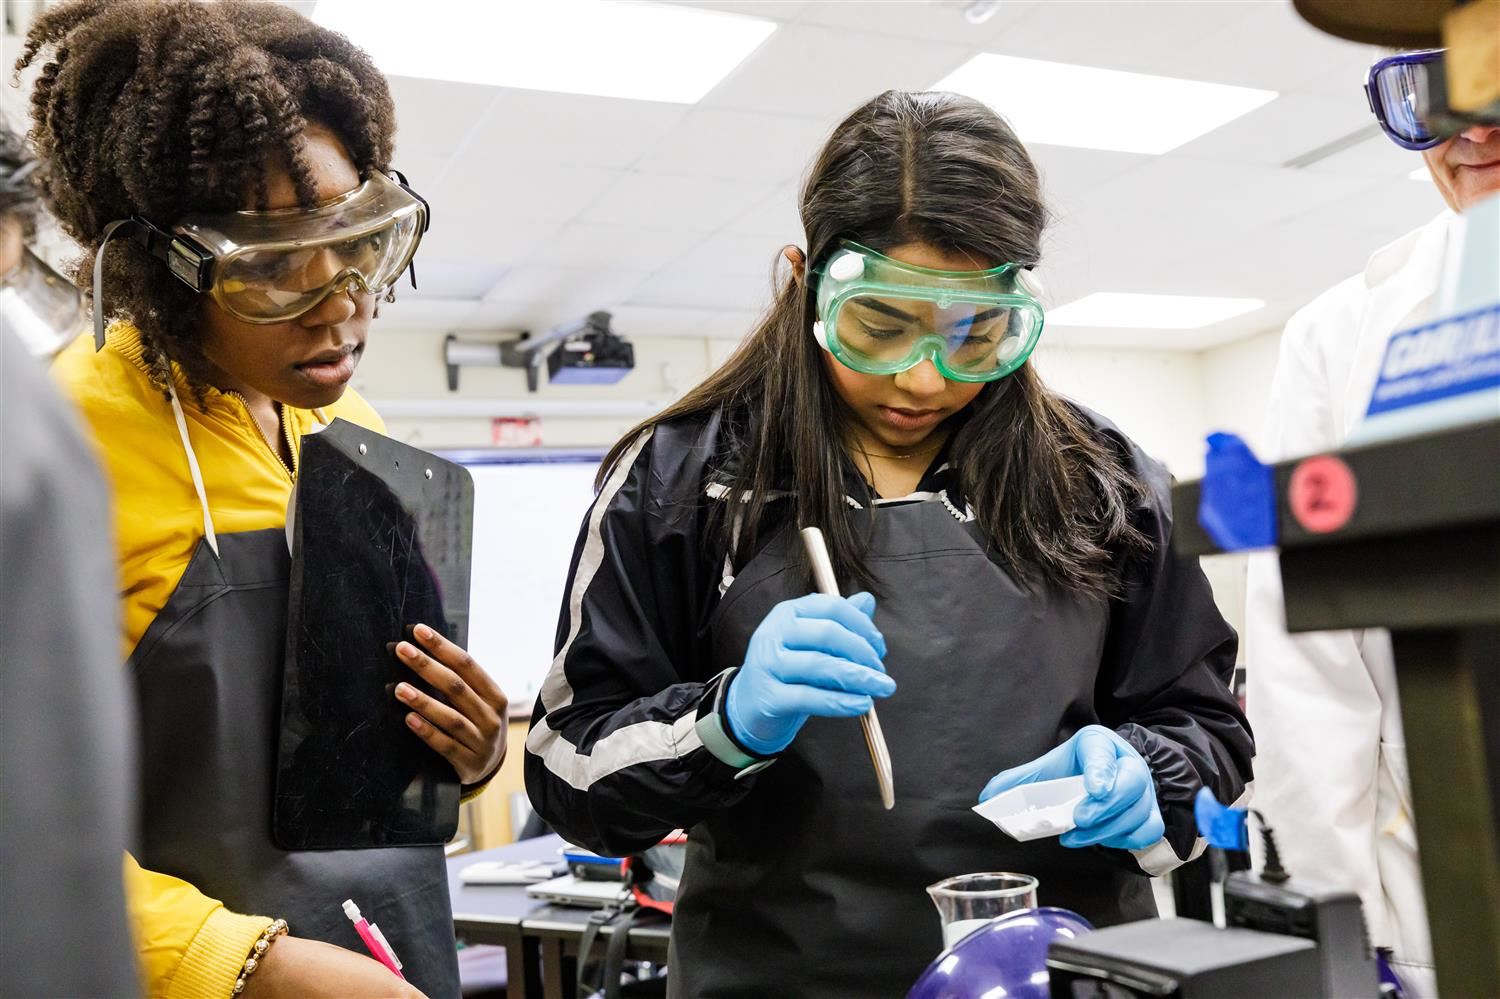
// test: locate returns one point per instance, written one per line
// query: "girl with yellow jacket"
(228, 165)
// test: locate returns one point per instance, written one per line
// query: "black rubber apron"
(208, 680)
(808, 887)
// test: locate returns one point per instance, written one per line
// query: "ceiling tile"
(1270, 46)
(490, 236)
(446, 278)
(594, 132)
(548, 192)
(1286, 128)
(731, 253)
(1257, 264)
(1173, 340)
(1175, 202)
(1068, 172)
(650, 320)
(548, 284)
(738, 145)
(536, 315)
(1343, 75)
(775, 217)
(1376, 156)
(434, 119)
(825, 73)
(930, 20)
(1385, 211)
(585, 245)
(1143, 36)
(494, 317)
(775, 10)
(677, 289)
(669, 201)
(423, 314)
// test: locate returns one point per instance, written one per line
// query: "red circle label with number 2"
(1323, 494)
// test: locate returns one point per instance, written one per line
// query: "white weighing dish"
(1033, 811)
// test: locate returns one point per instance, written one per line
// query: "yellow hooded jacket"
(189, 945)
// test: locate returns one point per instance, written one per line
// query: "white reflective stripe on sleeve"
(1159, 858)
(643, 742)
(556, 692)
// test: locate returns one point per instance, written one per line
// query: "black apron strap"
(612, 968)
(597, 921)
(614, 954)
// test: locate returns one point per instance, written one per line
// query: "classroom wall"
(1166, 400)
(407, 368)
(1236, 381)
(1155, 397)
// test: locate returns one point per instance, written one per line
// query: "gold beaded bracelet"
(267, 937)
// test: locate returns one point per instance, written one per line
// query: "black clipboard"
(381, 535)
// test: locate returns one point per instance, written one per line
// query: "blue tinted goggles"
(1403, 91)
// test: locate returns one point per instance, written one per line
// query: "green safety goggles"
(879, 316)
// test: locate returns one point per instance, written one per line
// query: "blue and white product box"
(1441, 375)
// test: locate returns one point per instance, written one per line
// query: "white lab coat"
(1330, 754)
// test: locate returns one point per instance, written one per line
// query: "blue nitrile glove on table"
(813, 656)
(1120, 810)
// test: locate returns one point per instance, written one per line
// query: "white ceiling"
(547, 206)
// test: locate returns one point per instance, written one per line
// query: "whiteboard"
(527, 514)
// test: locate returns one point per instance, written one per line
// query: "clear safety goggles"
(1403, 91)
(267, 267)
(880, 316)
(40, 305)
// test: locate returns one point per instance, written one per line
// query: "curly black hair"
(160, 108)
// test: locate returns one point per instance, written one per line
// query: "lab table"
(540, 940)
(1405, 535)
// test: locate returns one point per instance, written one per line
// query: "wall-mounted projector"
(584, 352)
(597, 356)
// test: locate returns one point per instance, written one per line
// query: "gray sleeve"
(67, 774)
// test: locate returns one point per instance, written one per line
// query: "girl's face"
(898, 412)
(306, 362)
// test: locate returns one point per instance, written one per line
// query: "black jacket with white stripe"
(615, 758)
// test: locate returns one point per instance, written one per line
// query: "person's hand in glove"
(816, 655)
(1120, 810)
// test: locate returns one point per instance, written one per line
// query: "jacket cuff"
(713, 731)
(468, 792)
(213, 961)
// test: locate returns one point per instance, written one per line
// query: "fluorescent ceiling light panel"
(1150, 312)
(1063, 105)
(601, 48)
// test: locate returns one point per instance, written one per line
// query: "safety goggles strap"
(188, 263)
(109, 233)
(426, 221)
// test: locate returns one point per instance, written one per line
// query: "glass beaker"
(968, 901)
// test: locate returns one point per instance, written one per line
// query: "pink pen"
(375, 941)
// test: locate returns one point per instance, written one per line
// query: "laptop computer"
(568, 890)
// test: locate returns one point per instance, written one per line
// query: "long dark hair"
(1052, 495)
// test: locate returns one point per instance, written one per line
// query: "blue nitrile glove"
(1120, 810)
(816, 655)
